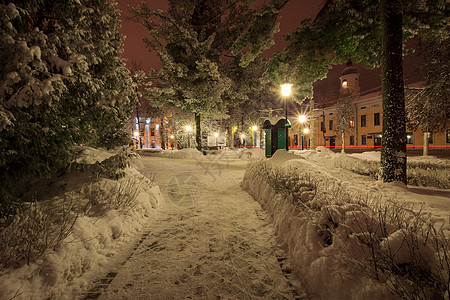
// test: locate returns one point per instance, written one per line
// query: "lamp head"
(286, 89)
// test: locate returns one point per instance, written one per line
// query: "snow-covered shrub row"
(424, 173)
(46, 246)
(333, 237)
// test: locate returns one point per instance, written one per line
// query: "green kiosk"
(275, 134)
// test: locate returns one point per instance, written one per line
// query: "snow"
(197, 233)
(322, 267)
(93, 241)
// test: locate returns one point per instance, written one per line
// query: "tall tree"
(202, 46)
(62, 82)
(371, 32)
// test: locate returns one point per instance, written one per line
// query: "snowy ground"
(208, 239)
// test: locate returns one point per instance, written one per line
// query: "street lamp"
(189, 129)
(305, 131)
(254, 129)
(285, 92)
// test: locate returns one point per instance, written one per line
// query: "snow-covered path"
(209, 240)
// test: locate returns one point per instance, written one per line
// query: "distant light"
(254, 127)
(344, 83)
(216, 134)
(136, 133)
(242, 136)
(408, 136)
(302, 118)
(306, 130)
(171, 136)
(188, 127)
(286, 89)
(148, 120)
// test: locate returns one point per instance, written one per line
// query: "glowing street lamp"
(302, 118)
(242, 139)
(286, 92)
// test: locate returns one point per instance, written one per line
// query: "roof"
(350, 69)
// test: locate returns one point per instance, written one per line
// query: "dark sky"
(290, 16)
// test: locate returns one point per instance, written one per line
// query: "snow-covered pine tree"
(200, 45)
(62, 82)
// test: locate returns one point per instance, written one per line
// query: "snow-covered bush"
(33, 229)
(62, 83)
(335, 236)
(418, 173)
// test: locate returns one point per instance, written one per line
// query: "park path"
(209, 239)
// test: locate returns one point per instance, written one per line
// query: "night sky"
(290, 16)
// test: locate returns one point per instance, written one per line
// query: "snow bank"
(188, 153)
(93, 240)
(327, 233)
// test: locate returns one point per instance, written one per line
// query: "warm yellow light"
(254, 127)
(286, 89)
(302, 118)
(242, 136)
(306, 130)
(344, 83)
(188, 127)
(136, 133)
(216, 134)
(171, 136)
(234, 128)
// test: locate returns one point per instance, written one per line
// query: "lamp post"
(301, 120)
(285, 92)
(254, 129)
(305, 131)
(189, 129)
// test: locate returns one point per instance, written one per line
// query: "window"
(363, 139)
(352, 123)
(330, 124)
(363, 120)
(448, 136)
(152, 131)
(344, 83)
(409, 138)
(322, 127)
(376, 119)
(352, 140)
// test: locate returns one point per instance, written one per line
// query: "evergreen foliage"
(201, 46)
(62, 82)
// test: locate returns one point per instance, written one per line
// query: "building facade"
(365, 128)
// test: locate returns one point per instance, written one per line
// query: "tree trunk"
(198, 132)
(425, 142)
(393, 153)
(163, 134)
(342, 141)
